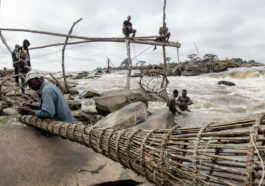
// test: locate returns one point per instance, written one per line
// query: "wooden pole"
(5, 43)
(178, 54)
(163, 47)
(164, 11)
(98, 39)
(165, 65)
(63, 51)
(129, 63)
(108, 70)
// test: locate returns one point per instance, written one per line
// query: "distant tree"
(168, 59)
(192, 57)
(124, 64)
(210, 57)
(141, 63)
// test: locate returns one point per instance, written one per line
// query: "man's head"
(129, 18)
(26, 43)
(184, 93)
(23, 55)
(34, 79)
(35, 83)
(17, 46)
(164, 25)
(175, 93)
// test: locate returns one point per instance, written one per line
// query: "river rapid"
(212, 102)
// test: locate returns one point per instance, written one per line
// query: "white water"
(212, 102)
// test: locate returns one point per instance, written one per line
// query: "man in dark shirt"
(15, 58)
(171, 103)
(183, 101)
(127, 28)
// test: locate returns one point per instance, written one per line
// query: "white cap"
(31, 75)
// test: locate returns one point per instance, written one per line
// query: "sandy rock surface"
(28, 158)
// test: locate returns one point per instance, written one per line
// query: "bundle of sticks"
(214, 154)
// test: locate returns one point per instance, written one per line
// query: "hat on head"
(31, 75)
(26, 41)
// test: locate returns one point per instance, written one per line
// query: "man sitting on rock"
(183, 101)
(127, 28)
(52, 103)
(171, 103)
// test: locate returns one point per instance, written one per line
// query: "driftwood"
(129, 63)
(98, 39)
(5, 43)
(214, 154)
(63, 51)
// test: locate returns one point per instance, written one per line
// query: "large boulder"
(126, 117)
(113, 100)
(89, 93)
(159, 120)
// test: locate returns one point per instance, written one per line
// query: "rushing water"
(212, 102)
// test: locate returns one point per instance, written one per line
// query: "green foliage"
(3, 121)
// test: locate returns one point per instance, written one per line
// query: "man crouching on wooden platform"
(52, 103)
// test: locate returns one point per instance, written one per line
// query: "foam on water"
(212, 102)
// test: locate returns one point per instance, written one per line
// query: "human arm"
(189, 101)
(47, 109)
(34, 107)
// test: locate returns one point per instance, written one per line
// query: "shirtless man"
(183, 101)
(171, 103)
(164, 34)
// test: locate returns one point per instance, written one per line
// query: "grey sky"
(228, 28)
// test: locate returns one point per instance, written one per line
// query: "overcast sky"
(228, 28)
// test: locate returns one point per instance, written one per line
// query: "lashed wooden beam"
(5, 43)
(98, 39)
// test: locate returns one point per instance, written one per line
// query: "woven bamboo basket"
(214, 154)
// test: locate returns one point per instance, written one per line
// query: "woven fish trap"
(214, 154)
(154, 83)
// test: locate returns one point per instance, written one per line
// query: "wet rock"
(89, 109)
(74, 105)
(227, 83)
(126, 117)
(68, 97)
(9, 111)
(113, 100)
(89, 93)
(73, 91)
(159, 120)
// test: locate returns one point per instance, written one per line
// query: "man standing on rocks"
(127, 28)
(52, 103)
(183, 101)
(171, 103)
